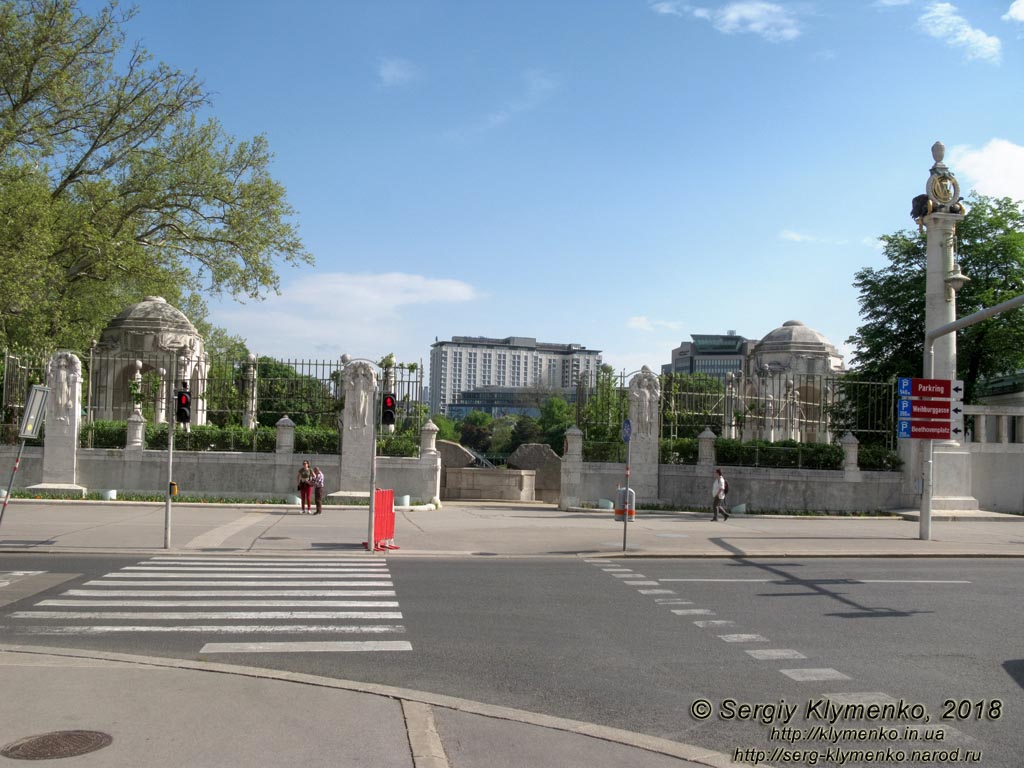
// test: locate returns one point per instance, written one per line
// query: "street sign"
(907, 387)
(35, 410)
(930, 409)
(627, 430)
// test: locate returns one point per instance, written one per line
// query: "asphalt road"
(631, 644)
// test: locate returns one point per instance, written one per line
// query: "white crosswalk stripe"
(266, 596)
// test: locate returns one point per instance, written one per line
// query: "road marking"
(261, 575)
(693, 612)
(714, 623)
(672, 601)
(306, 647)
(656, 591)
(223, 603)
(222, 629)
(641, 583)
(769, 654)
(230, 593)
(239, 584)
(240, 569)
(629, 575)
(744, 638)
(814, 675)
(183, 615)
(295, 560)
(827, 581)
(219, 535)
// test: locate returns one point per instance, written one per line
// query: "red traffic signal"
(184, 410)
(387, 409)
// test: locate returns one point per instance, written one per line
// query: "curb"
(653, 744)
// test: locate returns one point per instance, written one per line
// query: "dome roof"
(794, 336)
(152, 315)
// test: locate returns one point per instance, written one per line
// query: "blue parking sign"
(904, 387)
(903, 428)
(904, 409)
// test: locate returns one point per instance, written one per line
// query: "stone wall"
(488, 484)
(546, 463)
(240, 475)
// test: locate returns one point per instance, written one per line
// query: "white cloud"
(941, 21)
(792, 236)
(392, 72)
(642, 323)
(997, 169)
(771, 21)
(1016, 12)
(538, 86)
(667, 8)
(331, 312)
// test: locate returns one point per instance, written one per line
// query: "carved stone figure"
(644, 400)
(66, 375)
(358, 382)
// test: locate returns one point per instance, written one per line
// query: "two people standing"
(719, 488)
(310, 486)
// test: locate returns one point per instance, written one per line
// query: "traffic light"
(387, 409)
(184, 411)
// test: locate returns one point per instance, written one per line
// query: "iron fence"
(226, 392)
(796, 408)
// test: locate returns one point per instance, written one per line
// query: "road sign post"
(31, 423)
(627, 433)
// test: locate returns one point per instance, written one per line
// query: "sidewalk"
(171, 712)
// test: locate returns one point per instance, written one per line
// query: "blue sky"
(613, 173)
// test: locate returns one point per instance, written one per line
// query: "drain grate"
(55, 745)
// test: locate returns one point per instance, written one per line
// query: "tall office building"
(468, 362)
(711, 354)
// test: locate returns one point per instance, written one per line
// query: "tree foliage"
(112, 187)
(990, 249)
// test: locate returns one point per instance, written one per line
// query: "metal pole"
(10, 485)
(925, 529)
(373, 470)
(170, 462)
(625, 507)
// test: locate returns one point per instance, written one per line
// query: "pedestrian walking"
(718, 490)
(318, 490)
(305, 486)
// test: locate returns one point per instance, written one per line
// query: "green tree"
(526, 430)
(111, 187)
(446, 429)
(555, 418)
(283, 391)
(476, 431)
(990, 249)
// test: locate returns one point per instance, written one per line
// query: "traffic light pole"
(170, 466)
(373, 471)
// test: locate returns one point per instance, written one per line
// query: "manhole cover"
(51, 746)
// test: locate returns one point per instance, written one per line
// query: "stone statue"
(358, 384)
(66, 375)
(644, 402)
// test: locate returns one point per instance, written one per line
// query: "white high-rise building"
(468, 362)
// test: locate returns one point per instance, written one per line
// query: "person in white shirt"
(718, 496)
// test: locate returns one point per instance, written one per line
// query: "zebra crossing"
(233, 601)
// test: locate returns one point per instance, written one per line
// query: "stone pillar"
(851, 446)
(136, 432)
(939, 210)
(572, 469)
(63, 422)
(428, 438)
(706, 448)
(645, 417)
(359, 383)
(160, 406)
(285, 435)
(249, 418)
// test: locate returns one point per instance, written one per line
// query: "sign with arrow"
(930, 409)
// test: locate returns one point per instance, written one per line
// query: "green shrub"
(680, 451)
(878, 458)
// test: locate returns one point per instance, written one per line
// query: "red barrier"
(383, 520)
